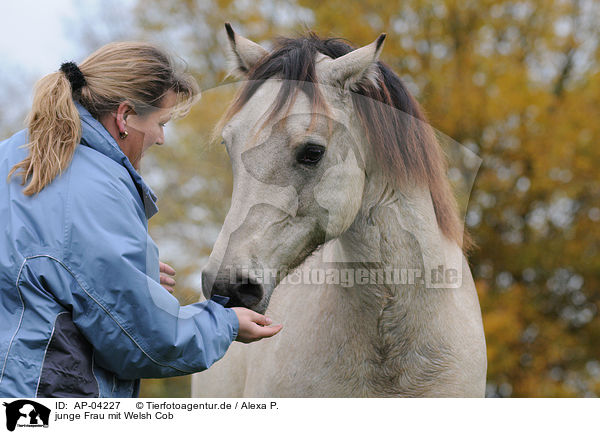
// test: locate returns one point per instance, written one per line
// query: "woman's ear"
(125, 109)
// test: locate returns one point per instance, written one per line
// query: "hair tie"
(74, 75)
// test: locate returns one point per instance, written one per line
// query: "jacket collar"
(95, 136)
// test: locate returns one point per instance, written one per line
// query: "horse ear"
(355, 67)
(244, 52)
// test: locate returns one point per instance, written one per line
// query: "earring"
(123, 135)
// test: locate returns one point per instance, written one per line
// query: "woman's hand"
(166, 271)
(254, 326)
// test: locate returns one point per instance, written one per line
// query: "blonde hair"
(137, 72)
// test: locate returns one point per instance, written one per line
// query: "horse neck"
(395, 231)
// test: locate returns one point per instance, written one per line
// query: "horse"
(343, 227)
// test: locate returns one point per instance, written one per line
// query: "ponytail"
(54, 131)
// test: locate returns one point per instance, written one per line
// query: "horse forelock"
(403, 143)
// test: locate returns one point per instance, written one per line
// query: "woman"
(84, 313)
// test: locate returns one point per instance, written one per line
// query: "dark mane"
(404, 145)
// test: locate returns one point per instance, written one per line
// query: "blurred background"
(516, 82)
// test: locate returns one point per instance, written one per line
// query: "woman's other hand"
(166, 279)
(254, 326)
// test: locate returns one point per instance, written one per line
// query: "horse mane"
(403, 143)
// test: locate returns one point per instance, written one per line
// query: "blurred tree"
(194, 29)
(517, 82)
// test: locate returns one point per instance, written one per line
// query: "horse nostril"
(250, 294)
(247, 293)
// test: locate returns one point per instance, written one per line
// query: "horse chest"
(326, 350)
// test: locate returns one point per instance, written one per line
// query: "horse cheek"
(340, 194)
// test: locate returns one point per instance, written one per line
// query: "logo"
(26, 413)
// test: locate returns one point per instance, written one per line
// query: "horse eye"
(310, 154)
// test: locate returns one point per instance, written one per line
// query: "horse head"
(298, 159)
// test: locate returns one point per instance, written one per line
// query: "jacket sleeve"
(109, 279)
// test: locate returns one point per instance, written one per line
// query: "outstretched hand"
(254, 326)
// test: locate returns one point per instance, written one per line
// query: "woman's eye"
(310, 154)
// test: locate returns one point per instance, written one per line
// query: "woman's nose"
(161, 139)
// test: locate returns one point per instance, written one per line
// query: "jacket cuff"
(234, 322)
(232, 317)
(230, 314)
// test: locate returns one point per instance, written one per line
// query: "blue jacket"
(82, 310)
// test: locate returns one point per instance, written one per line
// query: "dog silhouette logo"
(26, 413)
